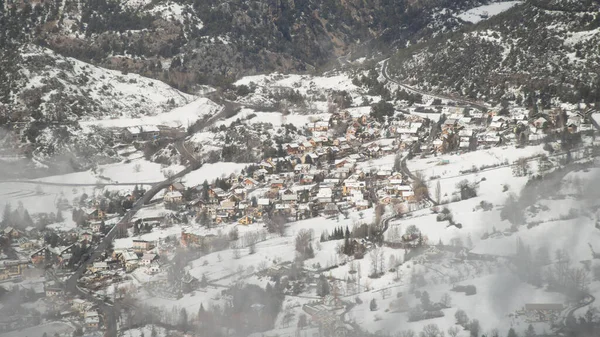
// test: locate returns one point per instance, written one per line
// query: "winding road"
(460, 100)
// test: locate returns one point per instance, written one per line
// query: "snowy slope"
(179, 117)
(477, 14)
(97, 91)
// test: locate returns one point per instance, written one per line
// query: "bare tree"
(446, 300)
(420, 189)
(379, 210)
(303, 243)
(521, 167)
(137, 168)
(431, 330)
(236, 253)
(453, 331)
(438, 192)
(375, 255)
(407, 333)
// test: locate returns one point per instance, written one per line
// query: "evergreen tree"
(6, 215)
(183, 319)
(373, 305)
(530, 332)
(323, 288)
(59, 216)
(205, 189)
(512, 333)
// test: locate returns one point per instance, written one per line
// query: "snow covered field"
(179, 117)
(210, 172)
(314, 88)
(121, 95)
(249, 116)
(49, 329)
(480, 13)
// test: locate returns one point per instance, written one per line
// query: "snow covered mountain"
(533, 51)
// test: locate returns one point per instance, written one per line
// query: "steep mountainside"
(186, 42)
(534, 51)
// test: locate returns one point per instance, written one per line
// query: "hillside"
(53, 94)
(186, 42)
(532, 52)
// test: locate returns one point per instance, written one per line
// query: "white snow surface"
(119, 94)
(179, 117)
(210, 172)
(477, 14)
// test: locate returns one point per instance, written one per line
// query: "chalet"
(489, 139)
(383, 174)
(40, 255)
(288, 196)
(351, 184)
(302, 168)
(25, 243)
(361, 205)
(395, 179)
(173, 197)
(331, 209)
(196, 205)
(177, 186)
(319, 126)
(130, 260)
(277, 184)
(92, 320)
(310, 158)
(144, 132)
(324, 195)
(339, 141)
(228, 206)
(141, 246)
(573, 124)
(340, 163)
(292, 149)
(464, 143)
(259, 173)
(307, 179)
(438, 145)
(53, 291)
(98, 267)
(95, 215)
(12, 268)
(11, 233)
(239, 192)
(496, 125)
(148, 258)
(267, 165)
(250, 182)
(222, 217)
(81, 305)
(86, 236)
(153, 268)
(449, 124)
(245, 220)
(216, 194)
(96, 226)
(63, 253)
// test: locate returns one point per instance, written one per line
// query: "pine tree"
(530, 332)
(512, 333)
(59, 216)
(6, 215)
(373, 305)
